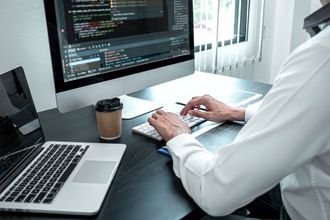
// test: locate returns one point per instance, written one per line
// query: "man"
(286, 140)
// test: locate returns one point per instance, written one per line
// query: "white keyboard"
(147, 130)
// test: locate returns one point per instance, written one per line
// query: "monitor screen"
(100, 41)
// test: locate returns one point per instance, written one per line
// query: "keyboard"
(147, 130)
(44, 179)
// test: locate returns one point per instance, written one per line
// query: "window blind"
(228, 33)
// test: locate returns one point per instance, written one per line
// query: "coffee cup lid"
(108, 105)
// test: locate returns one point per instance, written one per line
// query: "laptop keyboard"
(44, 179)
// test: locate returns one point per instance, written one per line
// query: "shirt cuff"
(180, 147)
(182, 140)
(251, 110)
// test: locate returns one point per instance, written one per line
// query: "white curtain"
(214, 26)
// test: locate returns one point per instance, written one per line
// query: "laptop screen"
(19, 125)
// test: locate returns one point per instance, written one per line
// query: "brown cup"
(108, 117)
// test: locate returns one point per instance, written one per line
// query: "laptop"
(47, 177)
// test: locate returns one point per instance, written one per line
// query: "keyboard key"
(40, 197)
(47, 201)
(58, 185)
(19, 188)
(14, 194)
(49, 184)
(23, 184)
(10, 199)
(39, 186)
(54, 191)
(20, 198)
(43, 181)
(25, 192)
(30, 198)
(67, 172)
(36, 191)
(51, 196)
(29, 187)
(46, 189)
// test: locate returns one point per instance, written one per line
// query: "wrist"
(238, 114)
(177, 132)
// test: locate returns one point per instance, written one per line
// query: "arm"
(218, 111)
(283, 136)
(265, 151)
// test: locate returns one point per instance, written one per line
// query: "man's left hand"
(168, 125)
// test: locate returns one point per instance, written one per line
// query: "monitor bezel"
(62, 86)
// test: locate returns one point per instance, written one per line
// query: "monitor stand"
(134, 107)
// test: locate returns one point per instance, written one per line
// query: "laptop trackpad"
(94, 172)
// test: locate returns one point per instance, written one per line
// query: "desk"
(145, 186)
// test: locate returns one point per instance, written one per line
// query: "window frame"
(243, 24)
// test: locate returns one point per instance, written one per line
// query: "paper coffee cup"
(108, 117)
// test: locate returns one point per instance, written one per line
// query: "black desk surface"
(145, 186)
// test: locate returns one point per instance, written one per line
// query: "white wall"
(24, 42)
(288, 31)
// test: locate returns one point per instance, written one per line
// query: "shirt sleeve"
(251, 110)
(290, 128)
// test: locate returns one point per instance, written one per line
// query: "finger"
(160, 112)
(154, 115)
(184, 110)
(188, 106)
(195, 97)
(194, 103)
(197, 113)
(152, 121)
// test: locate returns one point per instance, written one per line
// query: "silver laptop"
(47, 177)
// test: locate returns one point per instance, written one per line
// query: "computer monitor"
(108, 48)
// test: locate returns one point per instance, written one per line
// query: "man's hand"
(168, 125)
(215, 110)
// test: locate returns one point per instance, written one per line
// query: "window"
(227, 33)
(232, 18)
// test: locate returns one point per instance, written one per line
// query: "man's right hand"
(215, 110)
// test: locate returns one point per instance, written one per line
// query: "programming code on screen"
(99, 36)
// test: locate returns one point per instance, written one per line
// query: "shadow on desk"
(220, 136)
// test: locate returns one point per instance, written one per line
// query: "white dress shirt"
(287, 141)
